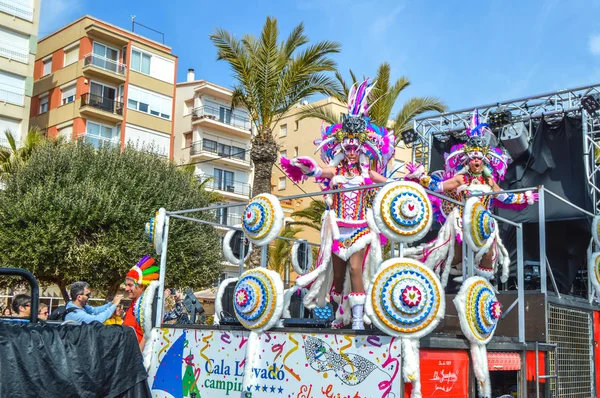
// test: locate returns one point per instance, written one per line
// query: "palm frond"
(415, 107)
(318, 112)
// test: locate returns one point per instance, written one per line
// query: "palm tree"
(311, 215)
(386, 96)
(271, 78)
(15, 155)
(280, 257)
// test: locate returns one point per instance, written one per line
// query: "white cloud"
(57, 13)
(594, 44)
(382, 23)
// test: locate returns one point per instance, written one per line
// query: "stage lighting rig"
(409, 137)
(590, 103)
(499, 118)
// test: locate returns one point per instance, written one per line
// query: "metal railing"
(12, 96)
(16, 9)
(13, 52)
(98, 141)
(228, 219)
(103, 103)
(225, 185)
(222, 115)
(200, 147)
(104, 63)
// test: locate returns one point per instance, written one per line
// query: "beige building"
(106, 85)
(296, 138)
(216, 139)
(19, 22)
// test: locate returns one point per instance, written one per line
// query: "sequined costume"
(439, 253)
(347, 224)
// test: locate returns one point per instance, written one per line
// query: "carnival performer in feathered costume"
(473, 167)
(356, 153)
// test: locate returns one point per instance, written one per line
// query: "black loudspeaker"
(297, 310)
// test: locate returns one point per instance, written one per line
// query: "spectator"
(84, 313)
(21, 305)
(175, 312)
(117, 317)
(7, 312)
(43, 312)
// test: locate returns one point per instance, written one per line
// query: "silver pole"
(521, 284)
(401, 250)
(392, 249)
(569, 203)
(263, 257)
(471, 257)
(242, 255)
(161, 279)
(542, 229)
(465, 260)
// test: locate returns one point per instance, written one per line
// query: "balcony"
(101, 107)
(12, 95)
(220, 119)
(106, 68)
(13, 52)
(228, 188)
(99, 141)
(15, 9)
(230, 216)
(208, 151)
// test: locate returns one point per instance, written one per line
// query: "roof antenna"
(133, 23)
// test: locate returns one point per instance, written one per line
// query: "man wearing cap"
(139, 313)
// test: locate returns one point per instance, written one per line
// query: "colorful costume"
(439, 253)
(139, 313)
(348, 225)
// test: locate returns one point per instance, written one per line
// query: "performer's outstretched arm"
(525, 198)
(417, 173)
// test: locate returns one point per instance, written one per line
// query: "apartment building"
(19, 22)
(96, 82)
(295, 138)
(216, 140)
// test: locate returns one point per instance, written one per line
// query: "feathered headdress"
(144, 272)
(373, 144)
(477, 147)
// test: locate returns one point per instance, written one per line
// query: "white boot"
(336, 298)
(357, 301)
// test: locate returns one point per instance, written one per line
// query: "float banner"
(444, 373)
(212, 363)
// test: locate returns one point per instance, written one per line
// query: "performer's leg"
(339, 273)
(357, 297)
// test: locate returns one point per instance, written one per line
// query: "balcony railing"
(237, 187)
(12, 95)
(13, 52)
(200, 147)
(104, 63)
(103, 103)
(221, 115)
(17, 9)
(98, 141)
(230, 216)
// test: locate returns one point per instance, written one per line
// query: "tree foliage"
(72, 212)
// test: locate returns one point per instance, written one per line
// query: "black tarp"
(44, 360)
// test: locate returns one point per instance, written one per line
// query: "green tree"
(72, 212)
(310, 216)
(280, 256)
(14, 155)
(272, 77)
(385, 97)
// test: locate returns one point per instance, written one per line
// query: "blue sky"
(467, 53)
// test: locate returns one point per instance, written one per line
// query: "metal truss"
(549, 105)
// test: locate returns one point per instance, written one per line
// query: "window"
(47, 67)
(296, 125)
(71, 55)
(283, 130)
(187, 139)
(106, 52)
(224, 115)
(44, 104)
(18, 45)
(342, 116)
(66, 133)
(295, 151)
(124, 52)
(284, 154)
(223, 180)
(149, 102)
(12, 88)
(100, 130)
(140, 62)
(148, 140)
(238, 152)
(12, 125)
(68, 94)
(281, 183)
(210, 146)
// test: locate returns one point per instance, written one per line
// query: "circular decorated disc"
(479, 225)
(155, 230)
(258, 299)
(402, 211)
(262, 219)
(231, 252)
(478, 309)
(596, 230)
(594, 271)
(405, 298)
